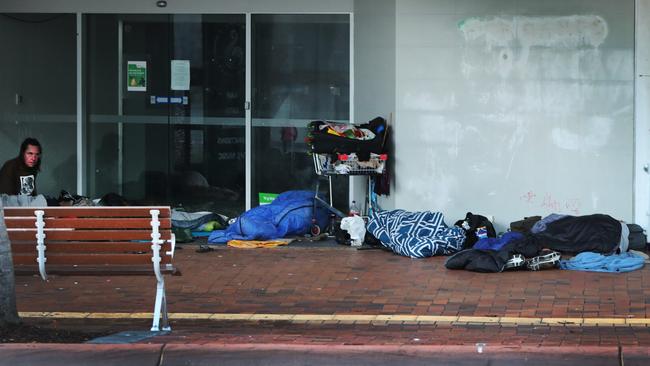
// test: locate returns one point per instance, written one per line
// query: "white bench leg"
(165, 317)
(160, 309)
(161, 299)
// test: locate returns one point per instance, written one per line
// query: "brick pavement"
(346, 281)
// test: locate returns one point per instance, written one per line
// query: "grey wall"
(374, 71)
(642, 115)
(515, 108)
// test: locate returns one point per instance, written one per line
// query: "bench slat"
(95, 259)
(22, 270)
(77, 211)
(87, 247)
(103, 235)
(87, 223)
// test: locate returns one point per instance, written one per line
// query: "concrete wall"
(642, 114)
(515, 108)
(374, 72)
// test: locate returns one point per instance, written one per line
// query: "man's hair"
(23, 147)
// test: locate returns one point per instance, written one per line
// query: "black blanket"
(576, 234)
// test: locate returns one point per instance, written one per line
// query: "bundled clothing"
(492, 261)
(498, 243)
(23, 201)
(587, 261)
(415, 234)
(193, 220)
(540, 225)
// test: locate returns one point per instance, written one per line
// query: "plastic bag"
(356, 227)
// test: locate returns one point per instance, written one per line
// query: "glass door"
(127, 130)
(207, 162)
(300, 73)
(165, 102)
(165, 97)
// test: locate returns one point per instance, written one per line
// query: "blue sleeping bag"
(289, 214)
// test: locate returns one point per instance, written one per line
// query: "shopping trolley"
(328, 165)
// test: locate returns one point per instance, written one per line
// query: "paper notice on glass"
(180, 75)
(136, 75)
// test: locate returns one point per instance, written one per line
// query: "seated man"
(18, 175)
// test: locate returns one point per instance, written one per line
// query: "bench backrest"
(89, 238)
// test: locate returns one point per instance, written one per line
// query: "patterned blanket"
(416, 234)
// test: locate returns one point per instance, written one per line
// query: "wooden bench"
(95, 241)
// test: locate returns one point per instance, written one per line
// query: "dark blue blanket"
(289, 214)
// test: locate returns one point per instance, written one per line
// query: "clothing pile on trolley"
(339, 138)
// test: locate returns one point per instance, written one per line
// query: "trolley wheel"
(315, 230)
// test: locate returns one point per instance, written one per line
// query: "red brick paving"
(346, 281)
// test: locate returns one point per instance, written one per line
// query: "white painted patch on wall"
(518, 38)
(495, 31)
(559, 31)
(597, 134)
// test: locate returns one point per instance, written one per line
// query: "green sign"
(136, 76)
(266, 198)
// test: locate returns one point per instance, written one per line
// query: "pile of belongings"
(187, 225)
(346, 130)
(326, 137)
(541, 246)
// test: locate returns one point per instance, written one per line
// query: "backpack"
(637, 237)
(525, 225)
(475, 226)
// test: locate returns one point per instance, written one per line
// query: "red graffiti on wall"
(552, 204)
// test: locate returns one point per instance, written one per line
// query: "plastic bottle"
(354, 209)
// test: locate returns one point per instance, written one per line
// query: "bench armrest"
(173, 242)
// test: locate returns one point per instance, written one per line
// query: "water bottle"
(354, 209)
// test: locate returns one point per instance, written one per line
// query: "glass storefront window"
(164, 99)
(38, 94)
